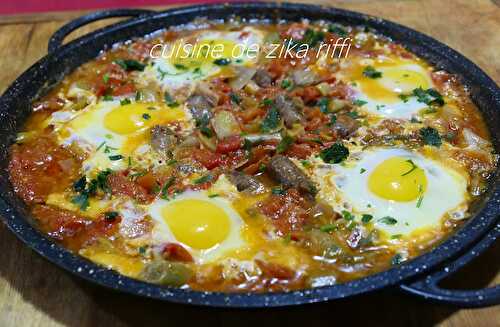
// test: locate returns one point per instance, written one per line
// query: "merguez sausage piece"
(289, 175)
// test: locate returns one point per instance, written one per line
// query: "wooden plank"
(34, 292)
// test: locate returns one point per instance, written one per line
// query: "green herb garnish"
(388, 220)
(284, 144)
(130, 64)
(334, 154)
(115, 157)
(370, 72)
(124, 102)
(413, 167)
(111, 215)
(328, 228)
(203, 179)
(222, 61)
(366, 218)
(430, 136)
(170, 101)
(270, 121)
(359, 102)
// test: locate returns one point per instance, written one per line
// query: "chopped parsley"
(130, 65)
(334, 154)
(146, 116)
(371, 72)
(388, 220)
(277, 191)
(164, 190)
(359, 102)
(203, 124)
(170, 101)
(397, 259)
(366, 218)
(222, 61)
(312, 37)
(124, 102)
(328, 228)
(266, 102)
(305, 163)
(180, 66)
(235, 98)
(347, 215)
(107, 97)
(138, 96)
(362, 170)
(340, 31)
(284, 144)
(430, 136)
(270, 121)
(413, 167)
(429, 96)
(203, 179)
(213, 195)
(86, 189)
(323, 105)
(115, 157)
(286, 84)
(105, 78)
(111, 215)
(353, 114)
(421, 196)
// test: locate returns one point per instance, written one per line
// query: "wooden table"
(34, 292)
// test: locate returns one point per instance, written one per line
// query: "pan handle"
(57, 38)
(428, 287)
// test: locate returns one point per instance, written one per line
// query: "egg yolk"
(199, 224)
(127, 119)
(395, 80)
(397, 179)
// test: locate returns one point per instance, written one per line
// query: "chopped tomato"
(73, 229)
(147, 181)
(123, 89)
(229, 144)
(288, 212)
(41, 167)
(300, 151)
(207, 158)
(310, 94)
(275, 270)
(176, 252)
(122, 185)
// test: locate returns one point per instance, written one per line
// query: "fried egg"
(204, 54)
(208, 227)
(110, 133)
(384, 86)
(403, 191)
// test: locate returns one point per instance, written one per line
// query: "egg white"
(87, 130)
(238, 46)
(396, 80)
(345, 187)
(162, 234)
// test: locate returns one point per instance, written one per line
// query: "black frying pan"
(419, 276)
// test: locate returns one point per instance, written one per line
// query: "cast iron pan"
(420, 276)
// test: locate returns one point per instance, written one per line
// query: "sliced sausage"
(262, 78)
(163, 139)
(288, 110)
(244, 182)
(200, 107)
(345, 126)
(305, 77)
(289, 175)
